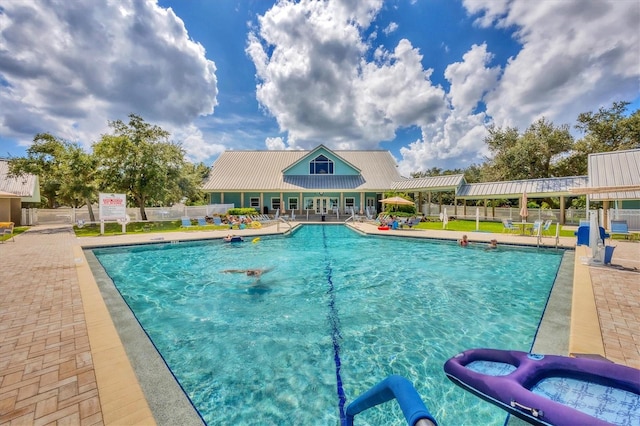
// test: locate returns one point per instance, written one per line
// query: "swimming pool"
(268, 352)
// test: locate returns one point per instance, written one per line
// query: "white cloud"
(390, 28)
(576, 56)
(275, 144)
(68, 67)
(194, 144)
(316, 82)
(458, 136)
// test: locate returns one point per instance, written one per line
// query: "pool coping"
(584, 334)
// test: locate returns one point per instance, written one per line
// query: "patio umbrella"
(524, 212)
(397, 201)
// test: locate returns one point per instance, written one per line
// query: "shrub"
(246, 211)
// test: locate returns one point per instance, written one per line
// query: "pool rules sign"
(113, 207)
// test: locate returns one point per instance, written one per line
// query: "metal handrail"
(281, 219)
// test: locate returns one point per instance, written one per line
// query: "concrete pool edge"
(162, 392)
(121, 399)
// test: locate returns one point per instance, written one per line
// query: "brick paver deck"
(55, 339)
(46, 368)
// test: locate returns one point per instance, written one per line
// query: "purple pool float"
(550, 389)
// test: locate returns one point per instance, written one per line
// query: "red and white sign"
(112, 206)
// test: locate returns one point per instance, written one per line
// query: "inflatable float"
(383, 228)
(550, 389)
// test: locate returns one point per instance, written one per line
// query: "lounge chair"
(217, 221)
(412, 222)
(547, 227)
(186, 222)
(507, 225)
(202, 221)
(6, 228)
(620, 227)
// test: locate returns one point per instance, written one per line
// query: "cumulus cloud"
(574, 53)
(315, 80)
(68, 67)
(459, 133)
(323, 81)
(275, 143)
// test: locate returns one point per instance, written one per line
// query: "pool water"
(336, 313)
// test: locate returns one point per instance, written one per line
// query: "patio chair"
(6, 228)
(202, 221)
(186, 222)
(217, 221)
(620, 227)
(508, 226)
(537, 227)
(412, 222)
(546, 228)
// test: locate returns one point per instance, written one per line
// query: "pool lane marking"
(332, 316)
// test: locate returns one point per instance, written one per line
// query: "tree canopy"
(139, 160)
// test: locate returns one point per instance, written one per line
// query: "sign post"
(113, 207)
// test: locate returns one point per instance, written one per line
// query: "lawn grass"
(492, 227)
(16, 230)
(93, 230)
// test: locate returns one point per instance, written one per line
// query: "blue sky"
(420, 78)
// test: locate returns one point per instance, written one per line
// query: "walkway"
(61, 360)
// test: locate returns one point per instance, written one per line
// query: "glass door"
(321, 205)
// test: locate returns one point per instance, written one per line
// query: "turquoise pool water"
(268, 352)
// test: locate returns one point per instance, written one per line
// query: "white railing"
(156, 214)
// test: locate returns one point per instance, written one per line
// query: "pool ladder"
(393, 387)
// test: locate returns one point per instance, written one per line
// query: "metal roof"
(24, 186)
(432, 183)
(262, 171)
(535, 188)
(611, 170)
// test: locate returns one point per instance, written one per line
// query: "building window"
(293, 203)
(275, 203)
(254, 202)
(349, 202)
(321, 165)
(308, 203)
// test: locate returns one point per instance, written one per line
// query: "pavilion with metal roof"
(322, 179)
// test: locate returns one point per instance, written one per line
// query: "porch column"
(300, 201)
(562, 210)
(428, 203)
(222, 198)
(242, 200)
(262, 202)
(361, 202)
(605, 213)
(486, 201)
(464, 207)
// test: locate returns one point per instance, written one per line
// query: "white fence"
(157, 214)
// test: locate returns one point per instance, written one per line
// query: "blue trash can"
(608, 254)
